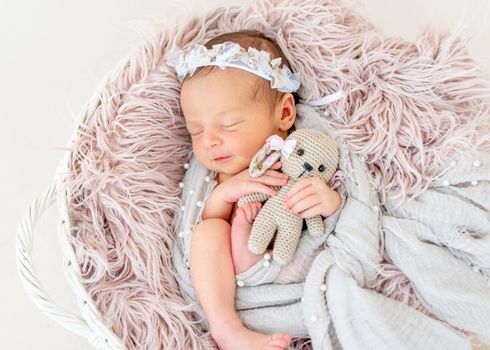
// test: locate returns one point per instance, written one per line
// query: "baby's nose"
(307, 166)
(210, 139)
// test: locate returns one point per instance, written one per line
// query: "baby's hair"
(257, 40)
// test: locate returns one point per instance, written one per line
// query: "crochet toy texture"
(305, 153)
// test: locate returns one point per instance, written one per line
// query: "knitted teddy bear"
(305, 153)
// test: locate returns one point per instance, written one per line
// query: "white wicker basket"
(88, 323)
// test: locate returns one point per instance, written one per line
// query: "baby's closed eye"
(227, 126)
(194, 133)
(193, 130)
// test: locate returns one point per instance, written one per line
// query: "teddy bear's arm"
(256, 197)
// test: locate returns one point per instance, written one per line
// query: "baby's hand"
(219, 204)
(310, 197)
(241, 226)
(247, 213)
(241, 184)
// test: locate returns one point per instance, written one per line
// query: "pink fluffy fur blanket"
(409, 107)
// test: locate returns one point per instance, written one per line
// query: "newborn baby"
(230, 111)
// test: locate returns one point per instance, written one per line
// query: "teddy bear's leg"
(285, 244)
(315, 226)
(263, 230)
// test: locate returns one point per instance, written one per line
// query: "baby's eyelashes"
(232, 125)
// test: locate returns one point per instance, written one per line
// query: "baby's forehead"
(232, 80)
(219, 92)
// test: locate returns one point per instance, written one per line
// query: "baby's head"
(231, 112)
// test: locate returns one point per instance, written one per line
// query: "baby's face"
(226, 126)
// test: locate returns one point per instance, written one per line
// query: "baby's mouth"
(222, 159)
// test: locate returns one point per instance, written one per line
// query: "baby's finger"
(291, 200)
(256, 208)
(298, 190)
(276, 165)
(275, 173)
(271, 180)
(306, 203)
(279, 341)
(239, 213)
(258, 187)
(310, 212)
(249, 212)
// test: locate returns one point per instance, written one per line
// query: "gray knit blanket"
(337, 289)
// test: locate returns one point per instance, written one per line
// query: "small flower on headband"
(230, 54)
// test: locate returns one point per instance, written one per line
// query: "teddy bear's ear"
(263, 160)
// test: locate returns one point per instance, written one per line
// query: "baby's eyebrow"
(226, 111)
(197, 121)
(190, 122)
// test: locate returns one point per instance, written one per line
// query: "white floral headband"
(230, 54)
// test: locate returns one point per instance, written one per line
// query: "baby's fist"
(248, 212)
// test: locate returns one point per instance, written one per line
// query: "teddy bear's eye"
(300, 152)
(321, 168)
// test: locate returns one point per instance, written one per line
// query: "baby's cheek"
(241, 163)
(201, 158)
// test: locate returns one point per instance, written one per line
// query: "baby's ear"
(263, 160)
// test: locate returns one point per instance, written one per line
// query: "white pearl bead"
(240, 283)
(445, 182)
(452, 164)
(187, 165)
(267, 256)
(323, 287)
(191, 192)
(266, 263)
(314, 318)
(181, 184)
(474, 182)
(375, 207)
(181, 234)
(182, 208)
(207, 178)
(476, 163)
(199, 204)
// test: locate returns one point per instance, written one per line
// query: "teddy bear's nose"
(307, 166)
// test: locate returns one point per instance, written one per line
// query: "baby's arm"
(221, 200)
(216, 207)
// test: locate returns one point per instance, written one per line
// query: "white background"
(53, 53)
